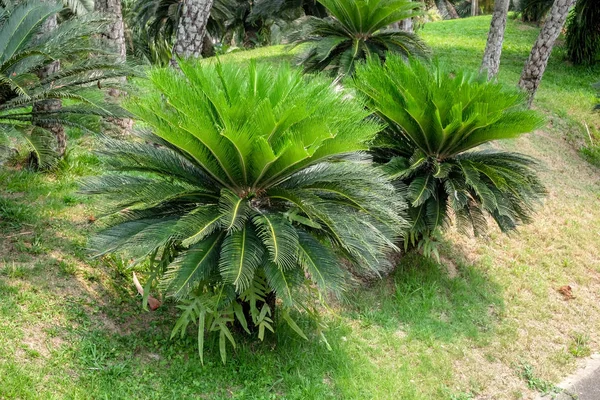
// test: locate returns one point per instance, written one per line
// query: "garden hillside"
(498, 317)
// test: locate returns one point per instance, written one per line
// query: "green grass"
(495, 327)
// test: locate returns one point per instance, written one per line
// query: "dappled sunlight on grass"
(72, 327)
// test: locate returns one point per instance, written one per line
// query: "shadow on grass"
(421, 299)
(64, 315)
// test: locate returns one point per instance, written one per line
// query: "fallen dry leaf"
(566, 291)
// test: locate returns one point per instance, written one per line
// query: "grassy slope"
(71, 327)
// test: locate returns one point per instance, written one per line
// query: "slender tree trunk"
(451, 10)
(405, 25)
(51, 105)
(191, 29)
(493, 48)
(474, 8)
(114, 36)
(441, 6)
(540, 53)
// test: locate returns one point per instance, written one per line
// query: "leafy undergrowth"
(71, 327)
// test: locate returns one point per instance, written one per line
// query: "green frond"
(241, 254)
(279, 237)
(198, 264)
(320, 262)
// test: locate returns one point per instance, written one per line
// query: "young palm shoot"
(358, 29)
(260, 186)
(437, 122)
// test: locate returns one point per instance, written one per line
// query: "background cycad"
(258, 187)
(437, 119)
(358, 29)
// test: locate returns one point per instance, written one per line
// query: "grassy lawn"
(488, 322)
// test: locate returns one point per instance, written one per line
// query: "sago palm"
(24, 51)
(257, 185)
(358, 29)
(438, 119)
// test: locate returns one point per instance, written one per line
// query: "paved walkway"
(583, 385)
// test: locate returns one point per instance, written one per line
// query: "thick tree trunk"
(191, 29)
(51, 105)
(114, 33)
(451, 10)
(114, 36)
(493, 48)
(540, 53)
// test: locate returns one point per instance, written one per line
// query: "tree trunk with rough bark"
(474, 8)
(540, 53)
(451, 11)
(405, 25)
(441, 6)
(114, 36)
(493, 48)
(114, 33)
(191, 29)
(51, 105)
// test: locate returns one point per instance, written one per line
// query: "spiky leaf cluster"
(24, 50)
(358, 29)
(255, 177)
(437, 120)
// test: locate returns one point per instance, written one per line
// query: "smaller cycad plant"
(358, 29)
(437, 122)
(25, 50)
(247, 184)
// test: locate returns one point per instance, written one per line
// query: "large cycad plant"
(438, 120)
(358, 29)
(25, 50)
(257, 187)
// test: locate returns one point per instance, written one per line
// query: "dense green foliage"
(356, 30)
(535, 10)
(233, 23)
(437, 120)
(583, 32)
(258, 187)
(24, 51)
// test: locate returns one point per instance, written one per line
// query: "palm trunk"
(493, 48)
(114, 33)
(451, 10)
(191, 29)
(114, 36)
(441, 6)
(474, 8)
(406, 25)
(540, 53)
(42, 108)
